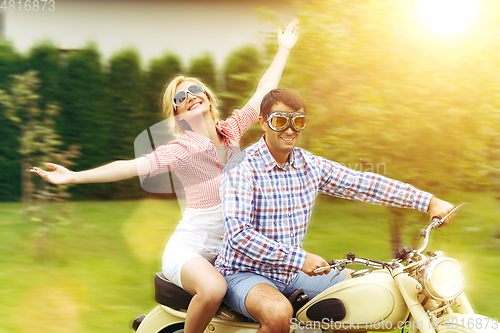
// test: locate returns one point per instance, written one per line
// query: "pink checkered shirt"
(194, 160)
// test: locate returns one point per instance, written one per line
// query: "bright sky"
(186, 28)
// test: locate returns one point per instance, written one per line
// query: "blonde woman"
(198, 155)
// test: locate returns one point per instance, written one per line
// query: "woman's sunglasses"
(181, 96)
(280, 121)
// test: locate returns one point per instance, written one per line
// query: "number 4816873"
(28, 5)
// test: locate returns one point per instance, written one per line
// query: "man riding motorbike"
(268, 193)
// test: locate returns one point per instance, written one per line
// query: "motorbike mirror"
(402, 253)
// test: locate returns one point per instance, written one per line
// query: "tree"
(241, 70)
(38, 143)
(45, 59)
(381, 90)
(127, 117)
(204, 69)
(84, 116)
(161, 72)
(10, 63)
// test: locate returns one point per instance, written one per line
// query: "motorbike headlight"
(444, 279)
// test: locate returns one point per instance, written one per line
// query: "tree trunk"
(27, 181)
(397, 222)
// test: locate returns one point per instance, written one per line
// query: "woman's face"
(193, 103)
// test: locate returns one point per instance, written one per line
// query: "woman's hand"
(271, 78)
(288, 38)
(59, 176)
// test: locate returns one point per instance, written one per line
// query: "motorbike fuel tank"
(372, 302)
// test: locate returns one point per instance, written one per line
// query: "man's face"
(280, 143)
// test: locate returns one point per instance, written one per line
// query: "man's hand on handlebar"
(313, 262)
(440, 208)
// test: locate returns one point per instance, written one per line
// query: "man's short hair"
(287, 96)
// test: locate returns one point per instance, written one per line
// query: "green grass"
(99, 269)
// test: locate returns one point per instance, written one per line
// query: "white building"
(186, 28)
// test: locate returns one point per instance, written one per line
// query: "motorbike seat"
(173, 296)
(169, 294)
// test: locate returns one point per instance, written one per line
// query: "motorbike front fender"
(157, 320)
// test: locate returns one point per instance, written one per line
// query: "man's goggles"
(181, 96)
(280, 121)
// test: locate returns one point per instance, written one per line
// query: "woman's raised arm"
(272, 77)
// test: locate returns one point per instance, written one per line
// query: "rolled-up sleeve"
(239, 121)
(166, 158)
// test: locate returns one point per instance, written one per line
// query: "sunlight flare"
(447, 17)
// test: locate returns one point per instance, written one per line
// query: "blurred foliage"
(38, 142)
(391, 92)
(204, 69)
(44, 58)
(83, 98)
(126, 86)
(127, 115)
(11, 62)
(241, 69)
(387, 95)
(161, 72)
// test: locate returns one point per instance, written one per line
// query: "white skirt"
(199, 234)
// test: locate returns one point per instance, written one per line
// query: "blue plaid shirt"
(267, 207)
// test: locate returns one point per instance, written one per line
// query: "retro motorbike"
(414, 291)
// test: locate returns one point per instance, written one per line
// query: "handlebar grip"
(437, 221)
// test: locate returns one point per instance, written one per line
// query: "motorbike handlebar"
(331, 262)
(352, 260)
(356, 261)
(436, 223)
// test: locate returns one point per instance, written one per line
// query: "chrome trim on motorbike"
(361, 272)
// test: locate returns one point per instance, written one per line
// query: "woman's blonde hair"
(169, 109)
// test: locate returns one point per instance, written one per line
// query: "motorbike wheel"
(177, 328)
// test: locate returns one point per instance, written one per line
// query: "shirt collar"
(269, 162)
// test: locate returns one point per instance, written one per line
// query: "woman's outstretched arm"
(272, 77)
(111, 172)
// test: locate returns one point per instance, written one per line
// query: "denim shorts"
(240, 283)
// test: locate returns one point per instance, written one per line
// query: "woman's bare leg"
(208, 286)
